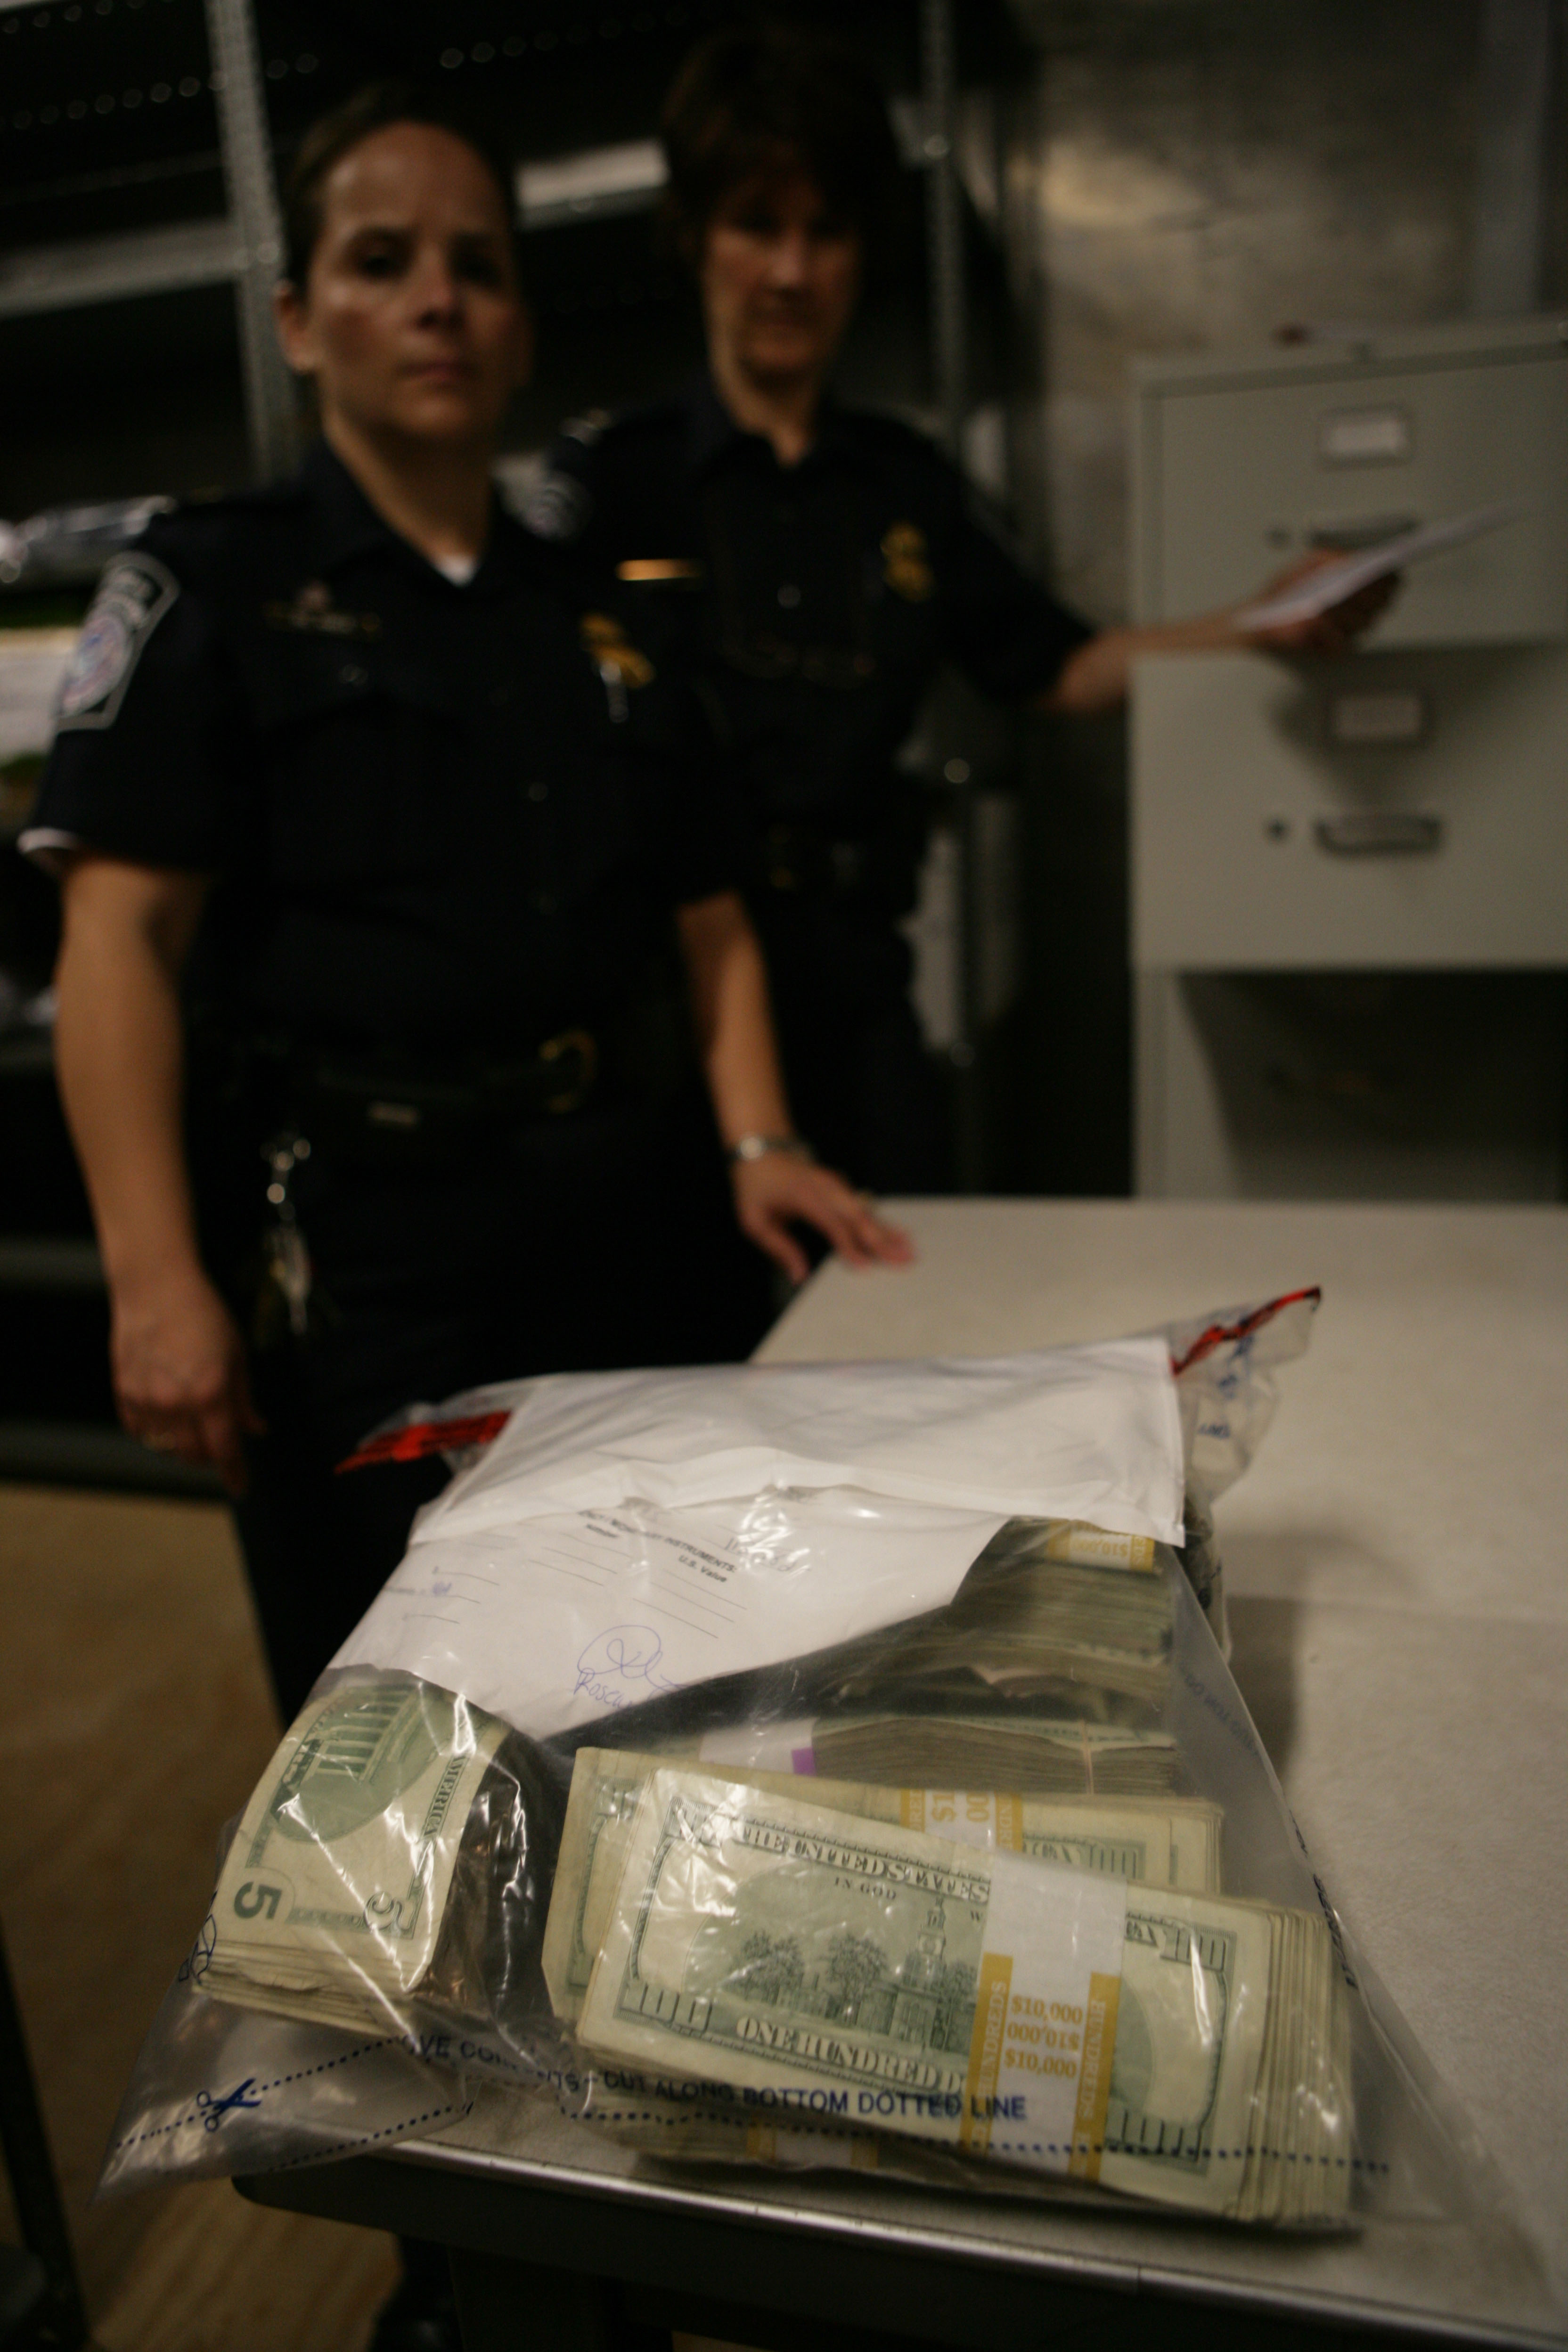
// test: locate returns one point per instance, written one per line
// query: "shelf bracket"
(271, 409)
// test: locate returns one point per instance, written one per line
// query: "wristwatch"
(758, 1147)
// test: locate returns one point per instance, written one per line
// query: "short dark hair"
(751, 101)
(377, 107)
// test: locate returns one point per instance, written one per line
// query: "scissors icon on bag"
(216, 2109)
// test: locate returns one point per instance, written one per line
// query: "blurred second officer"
(384, 848)
(816, 564)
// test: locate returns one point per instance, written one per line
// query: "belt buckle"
(575, 1087)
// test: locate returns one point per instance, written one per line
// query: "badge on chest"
(619, 663)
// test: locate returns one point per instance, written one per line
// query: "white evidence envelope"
(556, 1622)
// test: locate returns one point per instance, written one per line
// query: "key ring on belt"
(288, 1252)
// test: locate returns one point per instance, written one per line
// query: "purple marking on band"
(803, 1759)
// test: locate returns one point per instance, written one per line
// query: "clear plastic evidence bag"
(818, 1765)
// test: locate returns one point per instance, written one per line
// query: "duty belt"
(557, 1077)
(368, 1103)
(390, 1104)
(372, 1113)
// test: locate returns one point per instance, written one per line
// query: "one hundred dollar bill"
(827, 1970)
(1173, 1842)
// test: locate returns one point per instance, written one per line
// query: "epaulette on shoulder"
(202, 530)
(207, 514)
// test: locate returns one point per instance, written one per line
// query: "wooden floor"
(134, 1721)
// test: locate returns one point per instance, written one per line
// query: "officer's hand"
(1334, 631)
(775, 1192)
(178, 1365)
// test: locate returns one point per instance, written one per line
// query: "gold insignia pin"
(608, 642)
(906, 563)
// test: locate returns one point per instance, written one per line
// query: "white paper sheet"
(1088, 1432)
(555, 1622)
(1332, 582)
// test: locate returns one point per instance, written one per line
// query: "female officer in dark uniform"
(380, 840)
(814, 564)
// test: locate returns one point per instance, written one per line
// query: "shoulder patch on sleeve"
(558, 505)
(133, 598)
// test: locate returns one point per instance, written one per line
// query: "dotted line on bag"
(301, 2075)
(739, 2123)
(367, 2140)
(999, 2147)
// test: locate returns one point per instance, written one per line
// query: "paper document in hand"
(1332, 582)
(557, 1622)
(1087, 1433)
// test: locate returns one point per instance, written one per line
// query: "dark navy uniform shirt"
(435, 813)
(813, 602)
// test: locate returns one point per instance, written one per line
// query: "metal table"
(1395, 1558)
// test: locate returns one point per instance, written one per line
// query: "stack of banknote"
(1169, 1843)
(1012, 1748)
(349, 1891)
(1047, 1673)
(803, 1962)
(1050, 1614)
(806, 1950)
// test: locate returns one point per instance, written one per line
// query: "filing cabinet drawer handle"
(1378, 833)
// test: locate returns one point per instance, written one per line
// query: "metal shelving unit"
(241, 249)
(111, 269)
(64, 67)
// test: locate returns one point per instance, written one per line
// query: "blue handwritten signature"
(198, 1959)
(623, 1656)
(214, 2110)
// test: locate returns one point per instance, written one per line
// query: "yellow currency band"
(1094, 2077)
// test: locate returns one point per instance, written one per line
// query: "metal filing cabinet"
(1239, 464)
(1350, 878)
